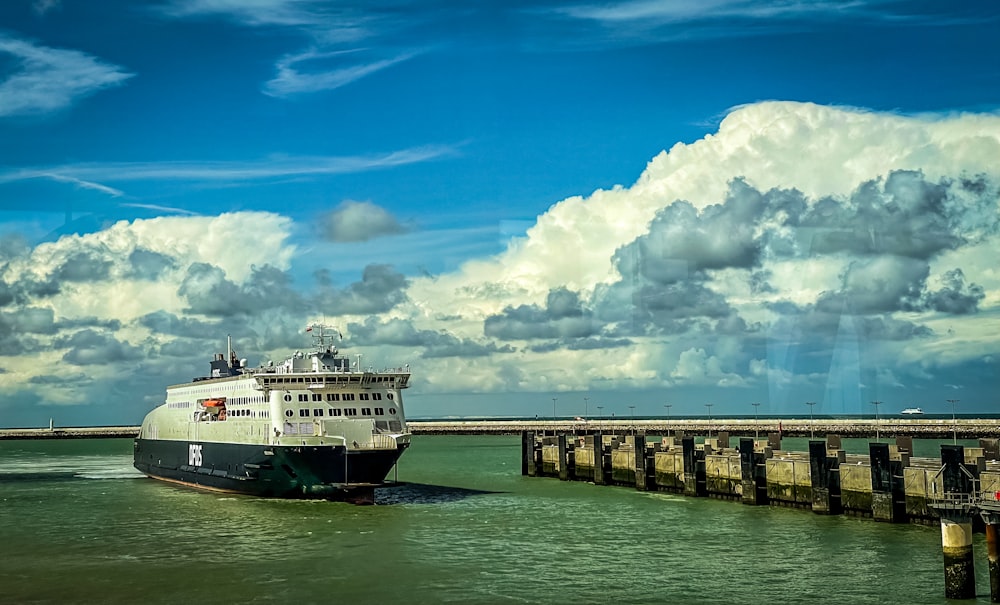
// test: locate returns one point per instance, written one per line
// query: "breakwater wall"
(960, 491)
(86, 432)
(922, 428)
(964, 428)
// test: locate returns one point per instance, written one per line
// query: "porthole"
(289, 413)
(288, 397)
(392, 411)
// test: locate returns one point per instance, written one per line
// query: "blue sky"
(639, 203)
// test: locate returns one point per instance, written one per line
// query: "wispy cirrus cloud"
(294, 13)
(293, 80)
(680, 11)
(332, 58)
(93, 175)
(49, 79)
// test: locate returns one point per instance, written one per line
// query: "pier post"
(694, 468)
(752, 472)
(528, 466)
(643, 482)
(564, 456)
(990, 511)
(953, 504)
(888, 501)
(825, 479)
(599, 460)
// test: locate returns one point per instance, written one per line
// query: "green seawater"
(79, 525)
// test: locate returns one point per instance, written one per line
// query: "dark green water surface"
(79, 525)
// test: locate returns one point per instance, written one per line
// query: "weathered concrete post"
(888, 499)
(529, 465)
(599, 460)
(694, 468)
(990, 511)
(563, 457)
(642, 479)
(752, 473)
(953, 504)
(825, 479)
(526, 450)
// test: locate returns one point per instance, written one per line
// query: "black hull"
(267, 470)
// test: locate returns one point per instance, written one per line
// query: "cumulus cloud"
(563, 317)
(739, 261)
(49, 79)
(358, 222)
(381, 288)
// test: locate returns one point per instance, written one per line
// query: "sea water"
(79, 525)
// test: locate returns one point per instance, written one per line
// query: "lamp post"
(954, 422)
(709, 406)
(876, 404)
(812, 431)
(632, 410)
(553, 408)
(599, 417)
(756, 426)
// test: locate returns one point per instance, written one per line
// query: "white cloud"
(89, 174)
(49, 79)
(251, 12)
(735, 324)
(291, 79)
(573, 243)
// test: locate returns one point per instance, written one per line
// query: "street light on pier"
(599, 416)
(812, 431)
(876, 404)
(632, 410)
(954, 422)
(709, 406)
(756, 427)
(553, 408)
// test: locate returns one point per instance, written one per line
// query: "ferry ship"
(912, 411)
(312, 426)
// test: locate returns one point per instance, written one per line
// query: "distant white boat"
(912, 411)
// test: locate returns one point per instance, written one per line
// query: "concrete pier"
(886, 485)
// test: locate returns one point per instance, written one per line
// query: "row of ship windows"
(230, 401)
(304, 412)
(301, 380)
(338, 396)
(245, 413)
